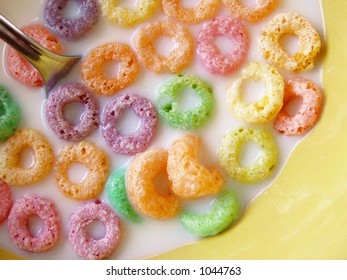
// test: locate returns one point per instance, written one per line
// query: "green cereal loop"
(265, 162)
(10, 114)
(168, 107)
(225, 210)
(117, 195)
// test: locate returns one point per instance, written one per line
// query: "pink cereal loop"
(5, 200)
(85, 245)
(18, 229)
(209, 53)
(309, 111)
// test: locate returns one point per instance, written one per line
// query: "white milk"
(150, 237)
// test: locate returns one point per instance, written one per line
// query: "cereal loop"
(93, 73)
(142, 137)
(309, 111)
(89, 156)
(203, 10)
(189, 178)
(141, 188)
(71, 28)
(126, 17)
(224, 210)
(117, 195)
(10, 114)
(264, 109)
(290, 23)
(253, 15)
(66, 94)
(6, 201)
(19, 67)
(85, 245)
(263, 166)
(18, 224)
(168, 95)
(209, 53)
(179, 57)
(10, 166)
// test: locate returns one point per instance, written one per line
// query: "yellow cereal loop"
(263, 166)
(189, 178)
(89, 156)
(11, 169)
(294, 24)
(127, 17)
(142, 189)
(264, 109)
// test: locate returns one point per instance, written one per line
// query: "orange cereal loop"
(141, 188)
(19, 67)
(204, 9)
(294, 24)
(178, 58)
(189, 178)
(89, 156)
(92, 68)
(11, 169)
(253, 15)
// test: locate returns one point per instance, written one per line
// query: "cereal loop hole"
(164, 45)
(248, 153)
(162, 184)
(293, 106)
(26, 158)
(187, 99)
(128, 122)
(73, 112)
(289, 43)
(77, 172)
(189, 4)
(71, 10)
(35, 225)
(127, 4)
(225, 45)
(250, 3)
(96, 230)
(252, 91)
(111, 69)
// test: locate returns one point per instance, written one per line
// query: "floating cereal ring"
(19, 67)
(63, 95)
(224, 210)
(203, 10)
(137, 142)
(85, 245)
(309, 111)
(6, 201)
(71, 28)
(10, 169)
(92, 68)
(178, 58)
(265, 162)
(264, 109)
(10, 114)
(189, 178)
(126, 17)
(262, 10)
(290, 23)
(168, 106)
(19, 231)
(141, 189)
(117, 195)
(211, 57)
(89, 156)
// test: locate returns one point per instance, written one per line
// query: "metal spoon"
(51, 66)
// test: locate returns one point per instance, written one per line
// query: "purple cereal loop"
(6, 201)
(63, 95)
(129, 144)
(19, 232)
(84, 245)
(74, 28)
(211, 57)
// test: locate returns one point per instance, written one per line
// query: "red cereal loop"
(19, 231)
(210, 55)
(5, 200)
(309, 111)
(19, 67)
